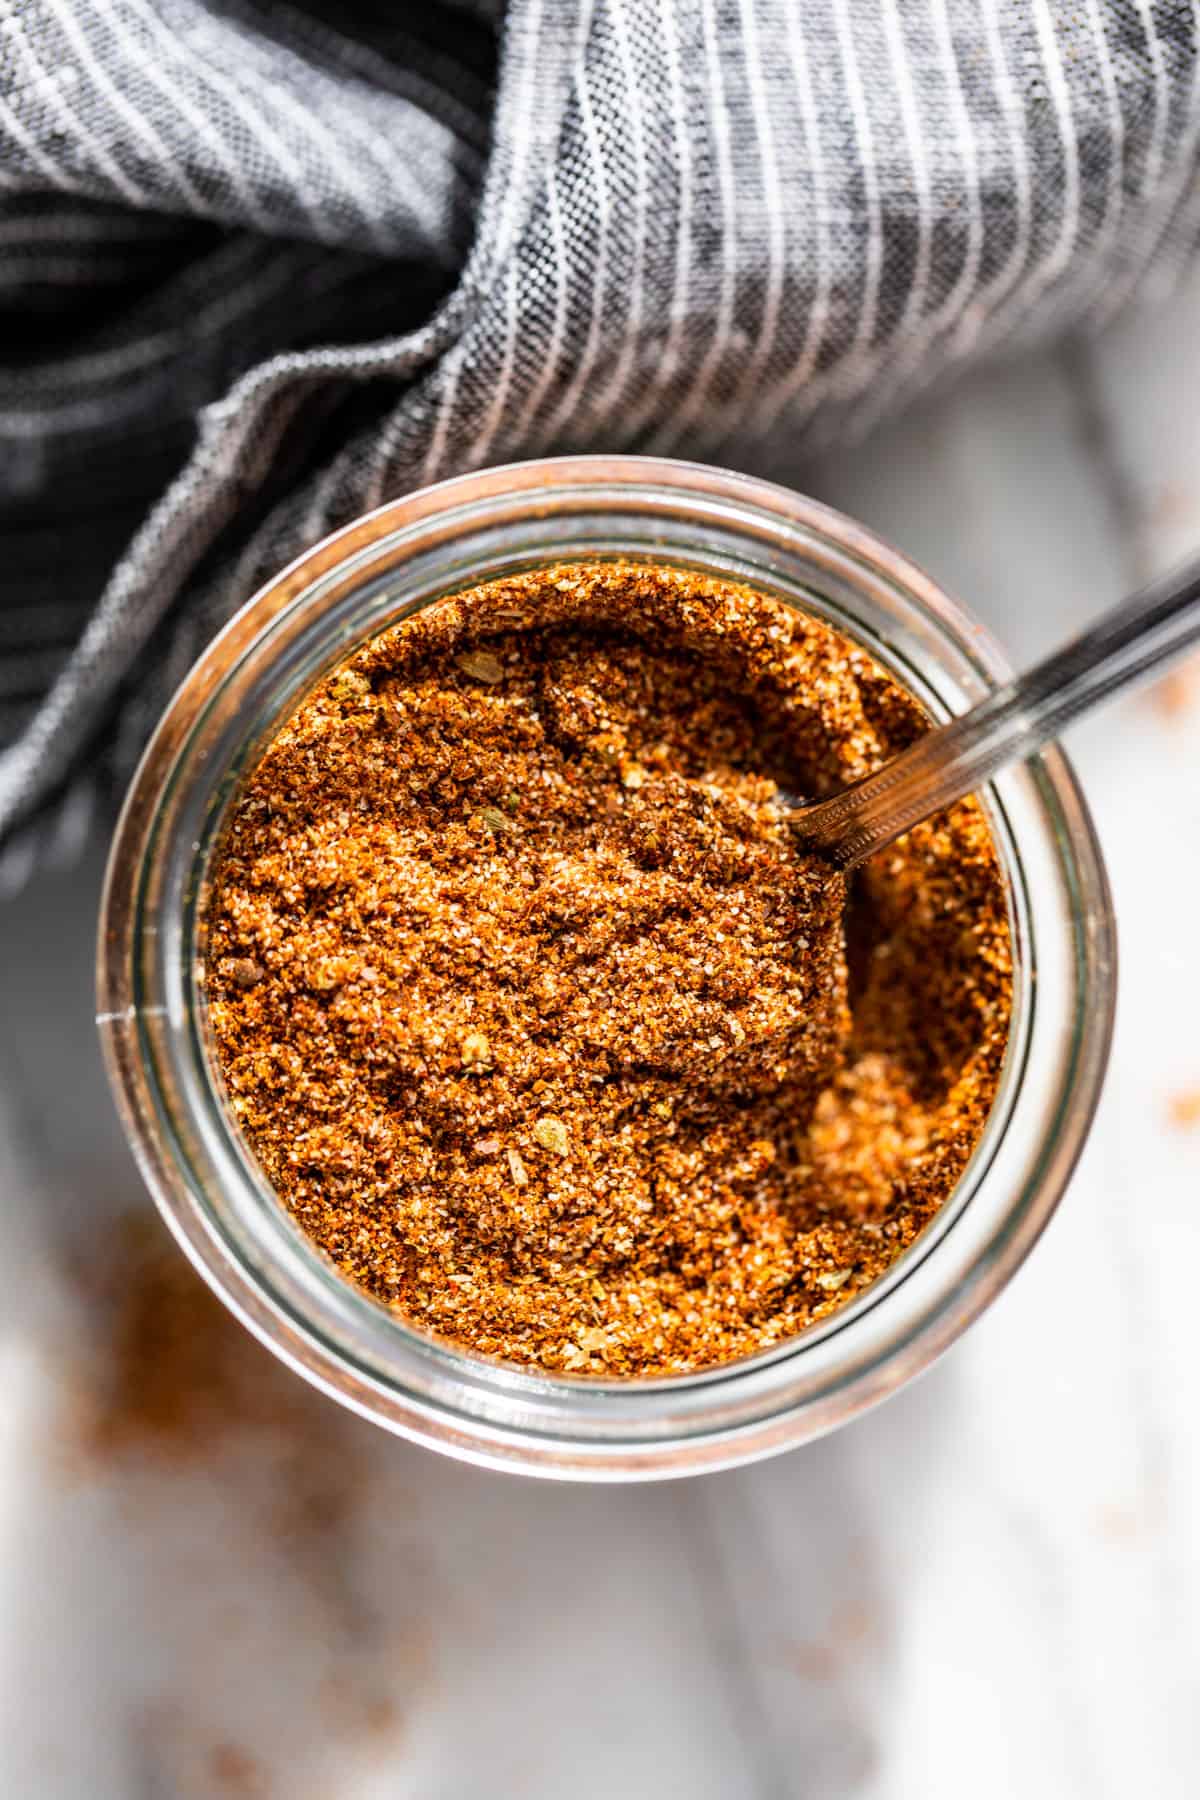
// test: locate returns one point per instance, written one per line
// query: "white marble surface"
(989, 1587)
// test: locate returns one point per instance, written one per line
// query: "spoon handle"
(1124, 645)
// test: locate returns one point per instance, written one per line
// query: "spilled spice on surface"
(234, 1771)
(255, 1530)
(1177, 693)
(170, 1373)
(535, 1016)
(1184, 1109)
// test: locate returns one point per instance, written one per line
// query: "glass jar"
(152, 1020)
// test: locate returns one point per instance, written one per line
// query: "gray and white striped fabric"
(262, 267)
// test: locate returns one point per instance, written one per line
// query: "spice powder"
(536, 1018)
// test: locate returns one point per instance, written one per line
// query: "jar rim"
(442, 539)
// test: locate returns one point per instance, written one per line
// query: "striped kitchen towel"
(262, 266)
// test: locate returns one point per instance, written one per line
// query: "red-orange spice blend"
(534, 1015)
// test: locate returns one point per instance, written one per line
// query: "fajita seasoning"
(536, 1018)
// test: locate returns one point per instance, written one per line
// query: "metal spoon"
(953, 760)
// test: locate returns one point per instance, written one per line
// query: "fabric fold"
(684, 226)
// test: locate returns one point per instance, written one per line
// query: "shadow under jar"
(158, 1044)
